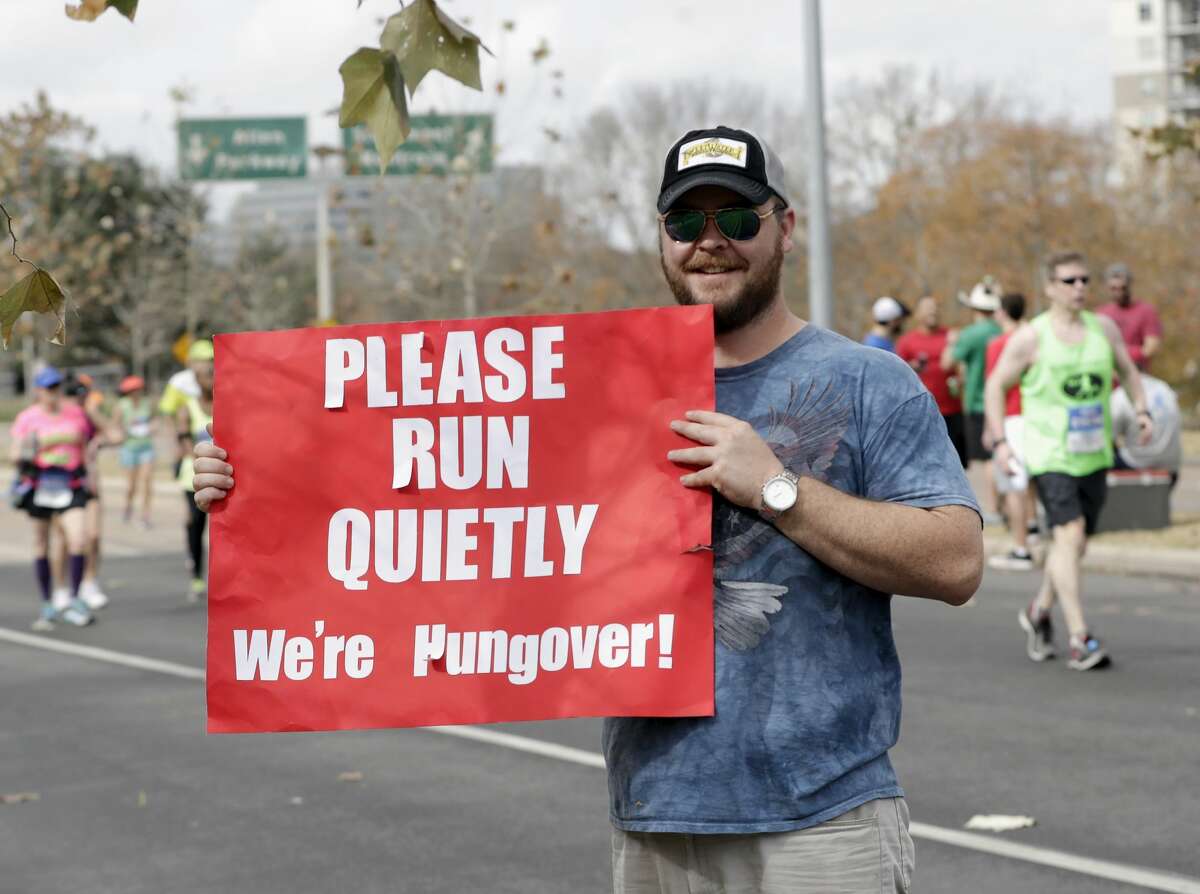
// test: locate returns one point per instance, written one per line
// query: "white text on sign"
(262, 654)
(521, 656)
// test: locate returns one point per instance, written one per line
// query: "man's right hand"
(214, 476)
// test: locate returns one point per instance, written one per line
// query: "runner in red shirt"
(921, 348)
(1138, 321)
(1020, 504)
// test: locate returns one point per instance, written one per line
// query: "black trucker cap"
(722, 156)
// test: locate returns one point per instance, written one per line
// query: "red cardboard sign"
(460, 522)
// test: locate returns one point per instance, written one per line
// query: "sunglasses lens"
(684, 226)
(738, 224)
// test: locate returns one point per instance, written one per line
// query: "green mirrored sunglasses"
(738, 224)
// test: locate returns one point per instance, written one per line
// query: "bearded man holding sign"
(835, 485)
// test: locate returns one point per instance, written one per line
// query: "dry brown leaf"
(19, 797)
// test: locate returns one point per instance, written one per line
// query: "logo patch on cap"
(712, 150)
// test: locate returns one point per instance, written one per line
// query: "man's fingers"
(703, 478)
(207, 448)
(710, 417)
(207, 496)
(213, 482)
(212, 466)
(704, 434)
(693, 456)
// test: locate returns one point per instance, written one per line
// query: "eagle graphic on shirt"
(805, 436)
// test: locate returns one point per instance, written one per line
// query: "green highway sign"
(242, 148)
(438, 144)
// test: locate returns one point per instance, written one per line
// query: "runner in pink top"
(1141, 329)
(60, 435)
(48, 441)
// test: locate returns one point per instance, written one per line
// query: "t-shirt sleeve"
(172, 400)
(965, 346)
(910, 459)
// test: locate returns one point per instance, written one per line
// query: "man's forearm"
(933, 553)
(993, 409)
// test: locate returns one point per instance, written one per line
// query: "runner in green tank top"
(1064, 400)
(1065, 361)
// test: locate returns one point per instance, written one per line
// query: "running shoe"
(1013, 560)
(1087, 653)
(60, 598)
(44, 622)
(91, 594)
(197, 589)
(76, 613)
(1039, 633)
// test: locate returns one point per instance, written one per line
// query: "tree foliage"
(415, 41)
(115, 235)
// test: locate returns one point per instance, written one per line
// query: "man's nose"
(711, 234)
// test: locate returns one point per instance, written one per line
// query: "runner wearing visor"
(48, 443)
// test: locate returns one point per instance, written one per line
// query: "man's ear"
(787, 223)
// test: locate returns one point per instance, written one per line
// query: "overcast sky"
(280, 57)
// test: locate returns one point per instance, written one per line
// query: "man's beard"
(746, 306)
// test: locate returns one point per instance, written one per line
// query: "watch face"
(779, 494)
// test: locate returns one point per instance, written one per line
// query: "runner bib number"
(139, 429)
(52, 492)
(1085, 428)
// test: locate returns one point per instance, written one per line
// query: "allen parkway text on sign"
(242, 148)
(460, 522)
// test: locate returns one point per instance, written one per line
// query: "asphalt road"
(133, 796)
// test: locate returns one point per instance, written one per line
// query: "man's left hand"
(732, 459)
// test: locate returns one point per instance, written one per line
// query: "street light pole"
(820, 261)
(324, 267)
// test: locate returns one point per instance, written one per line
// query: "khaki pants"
(864, 851)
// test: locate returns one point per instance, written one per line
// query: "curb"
(1176, 564)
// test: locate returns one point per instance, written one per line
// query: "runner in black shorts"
(48, 440)
(1064, 361)
(1066, 497)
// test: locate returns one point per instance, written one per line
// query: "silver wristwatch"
(779, 494)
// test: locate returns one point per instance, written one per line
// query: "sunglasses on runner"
(1072, 280)
(738, 224)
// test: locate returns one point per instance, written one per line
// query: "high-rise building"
(1155, 42)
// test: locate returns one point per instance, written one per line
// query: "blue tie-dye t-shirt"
(807, 677)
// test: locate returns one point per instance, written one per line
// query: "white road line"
(521, 743)
(1151, 879)
(81, 651)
